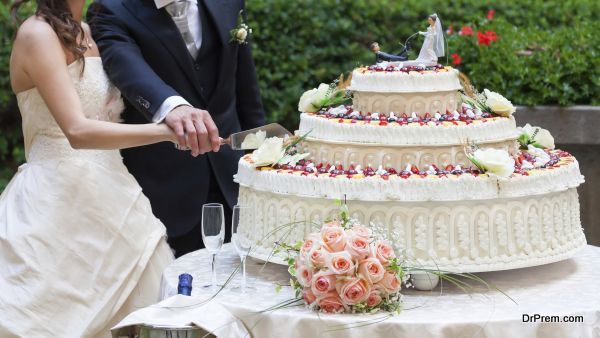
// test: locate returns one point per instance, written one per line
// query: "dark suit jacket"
(145, 57)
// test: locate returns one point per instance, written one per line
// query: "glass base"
(240, 290)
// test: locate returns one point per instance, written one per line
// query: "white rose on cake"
(537, 136)
(310, 101)
(269, 152)
(498, 103)
(494, 161)
(254, 141)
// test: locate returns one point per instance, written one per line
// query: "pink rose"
(390, 282)
(334, 223)
(333, 239)
(362, 231)
(371, 269)
(384, 252)
(353, 290)
(318, 256)
(303, 275)
(358, 247)
(308, 296)
(340, 263)
(331, 303)
(309, 242)
(374, 298)
(322, 283)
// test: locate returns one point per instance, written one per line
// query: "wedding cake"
(438, 169)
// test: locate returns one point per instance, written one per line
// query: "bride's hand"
(168, 133)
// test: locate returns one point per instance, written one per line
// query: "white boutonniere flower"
(242, 31)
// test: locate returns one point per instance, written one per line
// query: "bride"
(79, 246)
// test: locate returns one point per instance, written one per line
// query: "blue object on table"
(185, 284)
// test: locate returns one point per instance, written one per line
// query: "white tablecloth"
(570, 287)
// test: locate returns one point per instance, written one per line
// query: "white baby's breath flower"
(498, 103)
(253, 141)
(269, 152)
(311, 99)
(494, 161)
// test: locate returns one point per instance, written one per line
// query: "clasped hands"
(194, 130)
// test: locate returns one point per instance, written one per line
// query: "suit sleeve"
(124, 63)
(249, 104)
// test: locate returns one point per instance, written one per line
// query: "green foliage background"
(299, 44)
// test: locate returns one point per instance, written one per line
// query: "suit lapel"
(162, 26)
(219, 11)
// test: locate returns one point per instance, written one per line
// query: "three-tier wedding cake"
(440, 171)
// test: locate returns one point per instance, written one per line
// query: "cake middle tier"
(370, 155)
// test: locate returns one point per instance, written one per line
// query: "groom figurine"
(174, 63)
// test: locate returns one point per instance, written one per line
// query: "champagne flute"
(241, 242)
(213, 234)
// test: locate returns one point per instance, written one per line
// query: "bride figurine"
(433, 46)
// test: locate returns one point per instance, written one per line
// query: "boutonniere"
(241, 32)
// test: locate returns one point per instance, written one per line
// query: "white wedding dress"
(79, 246)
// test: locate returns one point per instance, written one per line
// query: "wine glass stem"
(243, 274)
(214, 271)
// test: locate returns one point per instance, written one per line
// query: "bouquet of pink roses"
(345, 269)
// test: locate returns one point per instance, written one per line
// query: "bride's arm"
(44, 61)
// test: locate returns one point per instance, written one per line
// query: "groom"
(174, 63)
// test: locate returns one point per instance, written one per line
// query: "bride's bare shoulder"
(35, 32)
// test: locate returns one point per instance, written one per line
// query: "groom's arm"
(140, 85)
(124, 63)
(249, 105)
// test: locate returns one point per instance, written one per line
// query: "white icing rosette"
(498, 103)
(494, 161)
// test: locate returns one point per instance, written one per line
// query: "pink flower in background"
(317, 256)
(340, 263)
(384, 252)
(362, 231)
(450, 30)
(371, 270)
(466, 31)
(374, 298)
(322, 283)
(456, 59)
(308, 296)
(333, 238)
(358, 247)
(492, 35)
(331, 303)
(304, 275)
(390, 282)
(353, 290)
(490, 15)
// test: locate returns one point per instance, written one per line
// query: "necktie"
(178, 11)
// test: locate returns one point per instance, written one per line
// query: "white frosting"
(498, 129)
(401, 82)
(414, 189)
(459, 236)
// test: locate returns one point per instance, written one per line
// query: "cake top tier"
(395, 78)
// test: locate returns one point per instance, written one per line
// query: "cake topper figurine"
(433, 46)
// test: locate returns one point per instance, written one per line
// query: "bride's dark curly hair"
(58, 15)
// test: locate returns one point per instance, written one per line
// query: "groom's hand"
(195, 129)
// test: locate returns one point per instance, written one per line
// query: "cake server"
(272, 130)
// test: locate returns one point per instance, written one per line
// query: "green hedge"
(298, 46)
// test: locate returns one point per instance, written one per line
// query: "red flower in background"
(466, 31)
(456, 59)
(490, 15)
(483, 39)
(450, 30)
(492, 36)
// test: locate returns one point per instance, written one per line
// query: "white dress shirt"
(195, 25)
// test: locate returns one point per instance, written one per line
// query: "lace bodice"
(100, 100)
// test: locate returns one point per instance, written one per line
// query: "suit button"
(197, 67)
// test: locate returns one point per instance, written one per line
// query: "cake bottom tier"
(462, 236)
